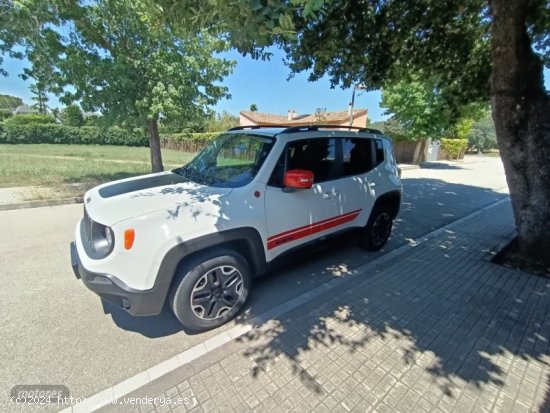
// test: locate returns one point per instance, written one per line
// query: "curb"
(41, 203)
(109, 395)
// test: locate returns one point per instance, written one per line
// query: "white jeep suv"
(197, 235)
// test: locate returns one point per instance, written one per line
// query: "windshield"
(229, 161)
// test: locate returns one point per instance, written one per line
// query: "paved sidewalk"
(439, 328)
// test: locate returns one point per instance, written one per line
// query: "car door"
(294, 217)
(356, 188)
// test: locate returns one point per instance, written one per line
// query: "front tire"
(210, 290)
(378, 229)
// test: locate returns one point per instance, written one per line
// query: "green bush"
(86, 135)
(5, 114)
(454, 148)
(72, 116)
(30, 119)
(187, 142)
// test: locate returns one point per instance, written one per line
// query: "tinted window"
(362, 155)
(315, 155)
(358, 156)
(379, 151)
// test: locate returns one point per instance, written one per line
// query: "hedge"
(187, 142)
(30, 119)
(90, 135)
(454, 148)
(37, 133)
(5, 114)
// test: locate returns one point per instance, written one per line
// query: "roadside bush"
(454, 148)
(187, 142)
(30, 119)
(86, 135)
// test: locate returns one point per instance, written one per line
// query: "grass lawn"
(56, 165)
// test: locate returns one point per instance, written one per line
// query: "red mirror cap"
(299, 179)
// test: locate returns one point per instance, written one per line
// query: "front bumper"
(111, 289)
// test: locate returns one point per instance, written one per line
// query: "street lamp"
(350, 110)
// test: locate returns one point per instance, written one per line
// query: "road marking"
(133, 383)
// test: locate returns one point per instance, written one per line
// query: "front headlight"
(102, 240)
(109, 236)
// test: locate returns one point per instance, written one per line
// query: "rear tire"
(210, 290)
(377, 231)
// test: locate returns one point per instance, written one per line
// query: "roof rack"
(249, 127)
(309, 128)
(317, 127)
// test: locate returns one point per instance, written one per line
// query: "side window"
(379, 151)
(315, 155)
(362, 155)
(358, 156)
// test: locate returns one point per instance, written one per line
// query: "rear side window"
(362, 155)
(379, 151)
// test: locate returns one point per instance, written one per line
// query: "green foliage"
(72, 116)
(40, 97)
(418, 109)
(219, 122)
(393, 128)
(253, 108)
(5, 113)
(10, 102)
(454, 148)
(248, 25)
(187, 142)
(131, 71)
(30, 119)
(461, 130)
(483, 135)
(425, 112)
(52, 133)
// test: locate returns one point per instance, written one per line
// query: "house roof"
(24, 109)
(327, 118)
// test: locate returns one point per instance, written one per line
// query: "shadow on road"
(438, 165)
(162, 325)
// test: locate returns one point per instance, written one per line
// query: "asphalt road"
(55, 331)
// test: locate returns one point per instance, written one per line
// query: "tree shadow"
(458, 328)
(438, 165)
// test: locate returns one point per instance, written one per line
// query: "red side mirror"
(299, 179)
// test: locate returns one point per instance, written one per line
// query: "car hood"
(116, 201)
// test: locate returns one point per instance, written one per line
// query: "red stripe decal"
(307, 230)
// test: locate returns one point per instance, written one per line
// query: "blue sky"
(260, 82)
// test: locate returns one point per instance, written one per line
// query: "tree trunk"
(154, 143)
(521, 111)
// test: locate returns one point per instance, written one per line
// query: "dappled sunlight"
(442, 334)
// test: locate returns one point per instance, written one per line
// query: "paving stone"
(438, 330)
